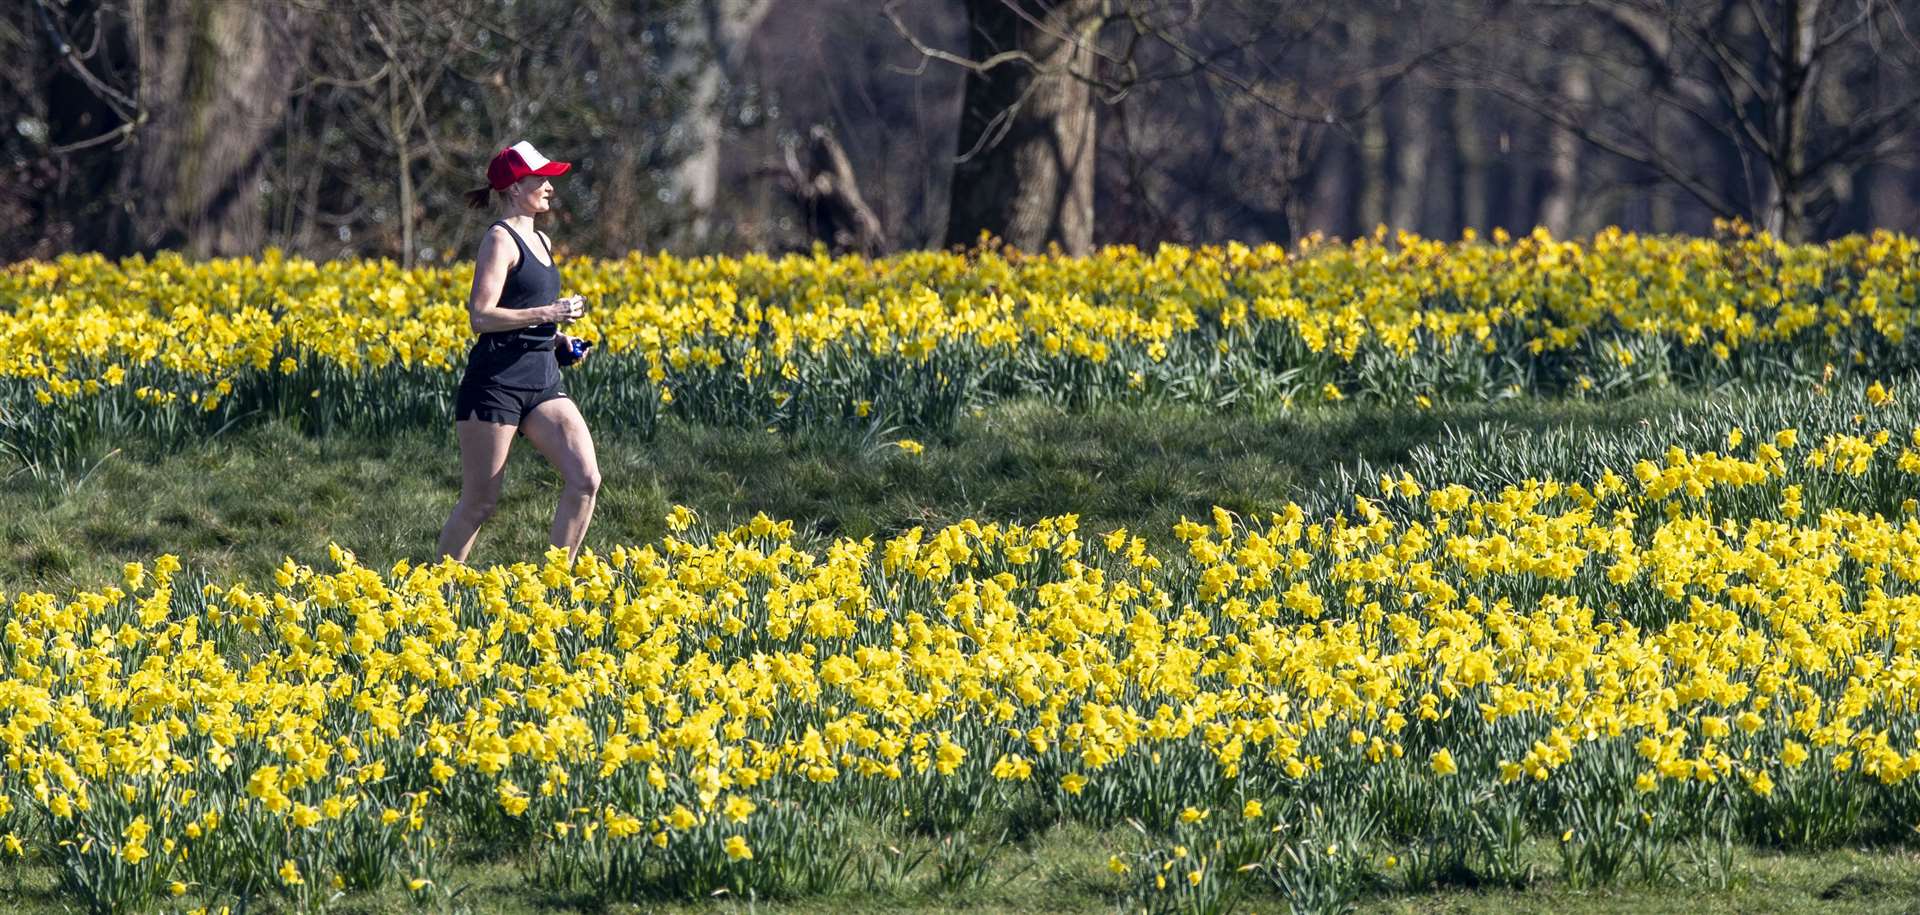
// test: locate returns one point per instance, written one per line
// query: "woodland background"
(341, 129)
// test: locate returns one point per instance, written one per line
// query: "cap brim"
(553, 168)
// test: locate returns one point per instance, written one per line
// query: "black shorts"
(496, 403)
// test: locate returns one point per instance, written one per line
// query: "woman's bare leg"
(558, 430)
(483, 466)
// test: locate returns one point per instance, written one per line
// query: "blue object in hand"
(574, 349)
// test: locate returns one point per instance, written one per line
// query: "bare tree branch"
(1631, 150)
(117, 134)
(891, 11)
(1845, 29)
(126, 108)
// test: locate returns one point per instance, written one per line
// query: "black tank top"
(530, 284)
(520, 358)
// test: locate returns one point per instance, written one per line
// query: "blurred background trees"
(350, 128)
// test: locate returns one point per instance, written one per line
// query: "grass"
(1063, 871)
(236, 505)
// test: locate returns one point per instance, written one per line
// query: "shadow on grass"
(234, 506)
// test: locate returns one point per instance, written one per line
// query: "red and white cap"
(518, 161)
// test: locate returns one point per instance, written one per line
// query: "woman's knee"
(585, 482)
(479, 505)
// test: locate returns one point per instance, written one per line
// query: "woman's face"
(534, 193)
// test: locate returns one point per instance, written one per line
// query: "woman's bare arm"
(490, 268)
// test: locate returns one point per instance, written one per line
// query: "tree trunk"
(1027, 129)
(213, 78)
(1890, 199)
(1373, 140)
(1787, 193)
(1662, 215)
(1411, 150)
(1563, 156)
(707, 55)
(828, 192)
(1331, 209)
(1470, 152)
(74, 212)
(399, 129)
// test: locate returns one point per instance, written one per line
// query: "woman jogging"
(512, 382)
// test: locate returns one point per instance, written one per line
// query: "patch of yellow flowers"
(199, 334)
(1712, 628)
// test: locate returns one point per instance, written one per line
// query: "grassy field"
(1063, 871)
(233, 506)
(238, 503)
(1403, 576)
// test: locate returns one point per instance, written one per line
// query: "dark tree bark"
(1790, 190)
(73, 210)
(1330, 211)
(1470, 156)
(826, 189)
(1759, 109)
(1027, 126)
(1563, 156)
(1372, 173)
(707, 57)
(213, 77)
(1890, 196)
(1412, 150)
